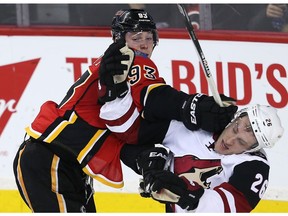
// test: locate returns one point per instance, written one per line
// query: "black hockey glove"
(201, 111)
(114, 67)
(149, 161)
(169, 188)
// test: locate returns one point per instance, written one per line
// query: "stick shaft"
(201, 56)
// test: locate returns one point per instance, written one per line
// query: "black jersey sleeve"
(163, 102)
(251, 179)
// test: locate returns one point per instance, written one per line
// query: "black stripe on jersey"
(73, 138)
(70, 92)
(77, 135)
(57, 122)
(95, 148)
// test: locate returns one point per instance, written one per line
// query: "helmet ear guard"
(133, 20)
(265, 123)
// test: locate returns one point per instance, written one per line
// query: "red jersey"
(74, 130)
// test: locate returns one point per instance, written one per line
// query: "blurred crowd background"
(244, 17)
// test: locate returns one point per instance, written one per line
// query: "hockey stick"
(200, 53)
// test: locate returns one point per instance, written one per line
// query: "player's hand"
(201, 111)
(143, 190)
(114, 68)
(169, 188)
(149, 161)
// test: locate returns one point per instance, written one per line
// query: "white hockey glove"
(169, 188)
(114, 68)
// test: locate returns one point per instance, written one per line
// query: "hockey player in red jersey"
(68, 144)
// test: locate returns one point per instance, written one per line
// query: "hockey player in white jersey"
(228, 172)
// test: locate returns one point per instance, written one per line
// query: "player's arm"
(157, 100)
(241, 193)
(194, 110)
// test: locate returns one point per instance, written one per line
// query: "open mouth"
(223, 145)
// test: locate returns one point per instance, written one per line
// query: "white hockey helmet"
(265, 124)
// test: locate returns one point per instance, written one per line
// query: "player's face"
(236, 138)
(142, 41)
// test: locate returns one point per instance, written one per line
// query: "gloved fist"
(143, 190)
(169, 188)
(201, 111)
(114, 68)
(148, 161)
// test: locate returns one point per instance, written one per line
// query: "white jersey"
(233, 183)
